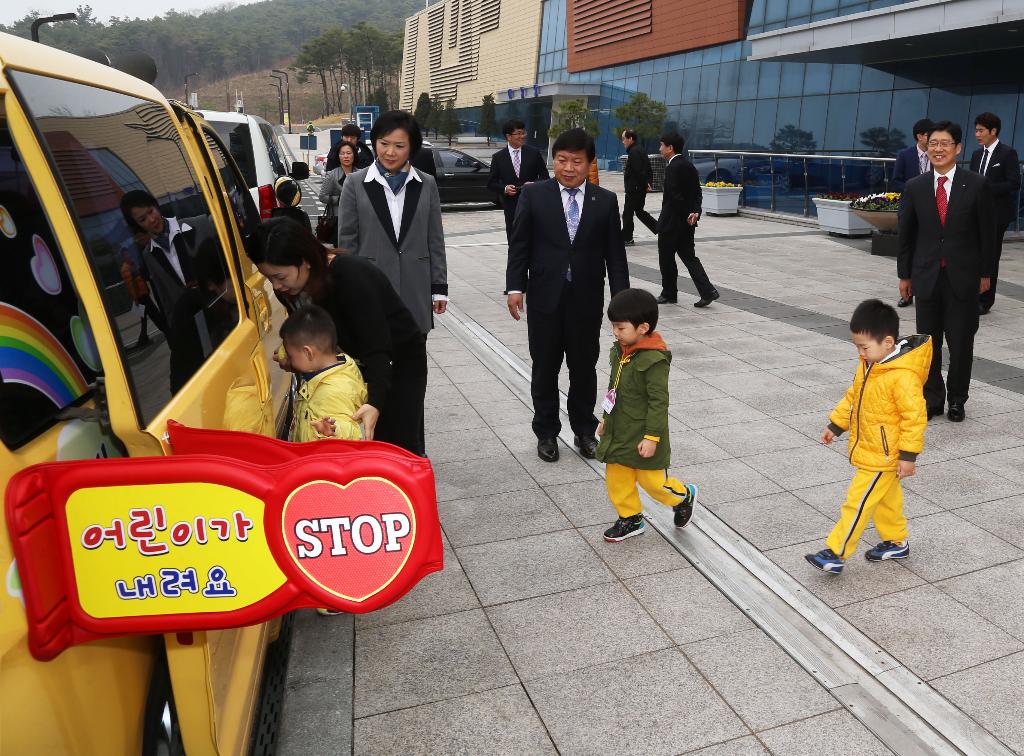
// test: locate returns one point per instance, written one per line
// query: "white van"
(256, 148)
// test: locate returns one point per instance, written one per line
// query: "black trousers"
(944, 316)
(401, 417)
(680, 242)
(509, 206)
(634, 205)
(988, 298)
(575, 332)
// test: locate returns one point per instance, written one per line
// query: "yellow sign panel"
(172, 548)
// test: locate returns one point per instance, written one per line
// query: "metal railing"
(787, 183)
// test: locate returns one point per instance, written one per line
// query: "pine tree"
(488, 121)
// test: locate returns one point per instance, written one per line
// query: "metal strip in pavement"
(897, 706)
(997, 374)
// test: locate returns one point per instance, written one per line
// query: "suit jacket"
(415, 262)
(531, 168)
(540, 253)
(165, 285)
(681, 196)
(966, 242)
(905, 168)
(1003, 173)
(637, 175)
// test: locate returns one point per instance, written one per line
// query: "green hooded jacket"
(641, 405)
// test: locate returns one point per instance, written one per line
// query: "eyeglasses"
(941, 143)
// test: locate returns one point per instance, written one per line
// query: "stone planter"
(837, 217)
(886, 221)
(721, 200)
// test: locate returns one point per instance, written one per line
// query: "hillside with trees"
(233, 41)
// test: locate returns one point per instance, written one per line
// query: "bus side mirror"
(300, 171)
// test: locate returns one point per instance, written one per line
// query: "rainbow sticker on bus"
(31, 355)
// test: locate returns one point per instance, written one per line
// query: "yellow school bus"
(107, 331)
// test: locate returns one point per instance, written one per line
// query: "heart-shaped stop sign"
(352, 540)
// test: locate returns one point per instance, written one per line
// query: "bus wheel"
(161, 734)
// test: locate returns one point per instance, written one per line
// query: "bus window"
(146, 226)
(47, 354)
(246, 214)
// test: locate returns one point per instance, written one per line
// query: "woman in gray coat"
(390, 213)
(330, 189)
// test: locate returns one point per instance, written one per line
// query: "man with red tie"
(947, 257)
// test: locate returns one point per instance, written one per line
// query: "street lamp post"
(187, 77)
(50, 20)
(280, 98)
(288, 89)
(342, 88)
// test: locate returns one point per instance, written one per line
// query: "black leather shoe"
(956, 412)
(547, 449)
(705, 301)
(905, 302)
(666, 300)
(586, 444)
(935, 411)
(983, 309)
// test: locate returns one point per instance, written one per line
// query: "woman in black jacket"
(373, 325)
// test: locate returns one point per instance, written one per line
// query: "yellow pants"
(622, 482)
(871, 496)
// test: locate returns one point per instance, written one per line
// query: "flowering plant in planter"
(840, 196)
(720, 184)
(886, 202)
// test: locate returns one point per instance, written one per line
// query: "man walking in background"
(638, 177)
(997, 161)
(911, 161)
(565, 236)
(513, 168)
(680, 211)
(947, 245)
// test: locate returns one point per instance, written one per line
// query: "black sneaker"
(624, 528)
(684, 509)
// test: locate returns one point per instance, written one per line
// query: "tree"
(488, 121)
(380, 99)
(572, 114)
(791, 139)
(643, 115)
(436, 120)
(882, 140)
(423, 110)
(449, 121)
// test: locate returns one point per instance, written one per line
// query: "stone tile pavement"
(538, 637)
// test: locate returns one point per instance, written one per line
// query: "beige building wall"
(465, 49)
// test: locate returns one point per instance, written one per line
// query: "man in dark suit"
(565, 235)
(947, 245)
(911, 161)
(513, 168)
(637, 176)
(680, 211)
(997, 161)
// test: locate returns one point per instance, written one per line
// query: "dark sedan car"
(461, 177)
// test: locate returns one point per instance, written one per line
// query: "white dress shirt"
(990, 149)
(173, 229)
(949, 184)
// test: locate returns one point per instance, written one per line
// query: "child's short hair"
(310, 326)
(875, 318)
(635, 306)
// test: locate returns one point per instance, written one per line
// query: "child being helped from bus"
(331, 387)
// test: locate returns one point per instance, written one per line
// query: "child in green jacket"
(634, 431)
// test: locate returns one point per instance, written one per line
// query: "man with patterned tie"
(947, 257)
(997, 161)
(565, 236)
(513, 168)
(911, 161)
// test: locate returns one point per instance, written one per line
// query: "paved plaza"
(539, 637)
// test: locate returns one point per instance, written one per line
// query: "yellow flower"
(719, 184)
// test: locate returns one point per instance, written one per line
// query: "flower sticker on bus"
(44, 269)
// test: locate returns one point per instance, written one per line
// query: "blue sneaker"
(888, 550)
(826, 561)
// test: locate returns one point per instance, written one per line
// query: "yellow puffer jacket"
(336, 392)
(884, 409)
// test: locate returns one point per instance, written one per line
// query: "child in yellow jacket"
(884, 410)
(331, 386)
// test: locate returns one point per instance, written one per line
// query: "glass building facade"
(720, 100)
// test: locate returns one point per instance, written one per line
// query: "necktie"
(516, 162)
(984, 161)
(922, 161)
(941, 199)
(572, 214)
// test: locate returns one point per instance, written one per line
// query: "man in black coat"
(637, 176)
(911, 161)
(513, 168)
(565, 236)
(680, 211)
(947, 246)
(997, 161)
(352, 134)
